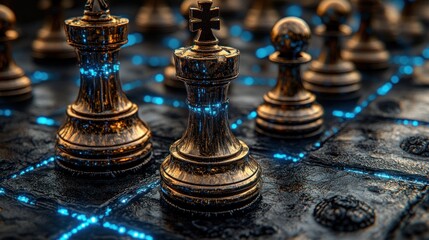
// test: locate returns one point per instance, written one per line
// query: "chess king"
(209, 170)
(103, 135)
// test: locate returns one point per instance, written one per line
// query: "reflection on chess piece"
(51, 44)
(330, 76)
(410, 29)
(364, 49)
(261, 17)
(289, 111)
(103, 135)
(209, 170)
(156, 17)
(170, 79)
(14, 85)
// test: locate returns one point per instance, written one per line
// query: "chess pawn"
(364, 49)
(421, 74)
(330, 76)
(289, 111)
(170, 79)
(386, 21)
(14, 85)
(208, 170)
(103, 135)
(156, 17)
(261, 17)
(51, 44)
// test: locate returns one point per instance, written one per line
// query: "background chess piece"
(289, 111)
(209, 170)
(421, 74)
(156, 17)
(410, 29)
(14, 85)
(385, 22)
(261, 17)
(330, 76)
(51, 44)
(103, 135)
(364, 49)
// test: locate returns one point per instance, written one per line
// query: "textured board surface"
(373, 155)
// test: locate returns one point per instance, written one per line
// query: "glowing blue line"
(237, 123)
(26, 200)
(291, 158)
(39, 77)
(386, 176)
(77, 229)
(130, 232)
(134, 39)
(164, 101)
(6, 112)
(41, 120)
(29, 169)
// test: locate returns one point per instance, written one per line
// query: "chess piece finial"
(97, 10)
(103, 135)
(330, 76)
(209, 170)
(50, 44)
(14, 85)
(365, 50)
(203, 20)
(290, 111)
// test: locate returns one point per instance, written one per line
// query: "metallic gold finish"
(156, 17)
(51, 43)
(209, 170)
(103, 135)
(14, 85)
(289, 111)
(330, 76)
(364, 49)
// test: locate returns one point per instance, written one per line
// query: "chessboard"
(371, 163)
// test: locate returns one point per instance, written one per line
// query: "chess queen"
(103, 135)
(209, 170)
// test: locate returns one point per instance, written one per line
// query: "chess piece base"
(336, 81)
(210, 185)
(289, 120)
(52, 47)
(159, 21)
(103, 146)
(366, 55)
(14, 87)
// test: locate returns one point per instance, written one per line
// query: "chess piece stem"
(103, 135)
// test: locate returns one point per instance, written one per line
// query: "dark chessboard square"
(289, 196)
(44, 224)
(380, 146)
(23, 143)
(83, 194)
(403, 103)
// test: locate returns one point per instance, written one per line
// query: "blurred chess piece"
(103, 135)
(51, 44)
(364, 49)
(386, 21)
(209, 171)
(231, 8)
(421, 10)
(421, 74)
(14, 85)
(330, 76)
(289, 111)
(156, 17)
(261, 17)
(410, 29)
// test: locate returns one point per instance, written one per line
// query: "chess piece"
(410, 29)
(289, 111)
(209, 170)
(261, 17)
(230, 8)
(364, 49)
(51, 44)
(170, 79)
(330, 76)
(421, 74)
(156, 17)
(385, 23)
(14, 85)
(421, 9)
(103, 135)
